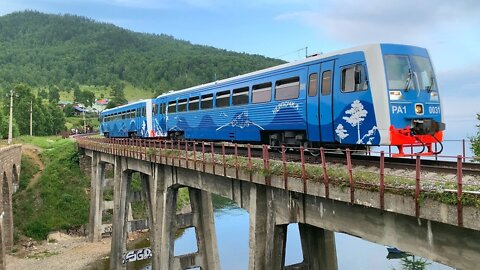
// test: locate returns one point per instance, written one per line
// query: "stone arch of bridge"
(15, 178)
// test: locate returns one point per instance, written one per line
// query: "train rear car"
(128, 121)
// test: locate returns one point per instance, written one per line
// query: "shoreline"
(65, 252)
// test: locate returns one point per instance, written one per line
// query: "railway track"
(292, 154)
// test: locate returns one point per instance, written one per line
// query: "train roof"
(124, 106)
(286, 65)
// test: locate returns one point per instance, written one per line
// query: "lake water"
(232, 228)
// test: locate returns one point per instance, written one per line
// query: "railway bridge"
(10, 158)
(321, 198)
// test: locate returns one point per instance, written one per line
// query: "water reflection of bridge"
(429, 229)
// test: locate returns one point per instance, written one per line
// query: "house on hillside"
(102, 102)
(79, 110)
(63, 103)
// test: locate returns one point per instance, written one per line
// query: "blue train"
(380, 94)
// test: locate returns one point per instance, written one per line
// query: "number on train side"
(434, 109)
(398, 109)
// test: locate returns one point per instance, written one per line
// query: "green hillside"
(68, 51)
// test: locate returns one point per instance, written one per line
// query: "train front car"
(413, 99)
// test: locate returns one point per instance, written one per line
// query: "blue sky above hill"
(450, 30)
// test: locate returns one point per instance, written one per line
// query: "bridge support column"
(96, 198)
(258, 227)
(166, 222)
(121, 179)
(318, 247)
(271, 211)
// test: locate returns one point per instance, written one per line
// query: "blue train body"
(381, 94)
(131, 120)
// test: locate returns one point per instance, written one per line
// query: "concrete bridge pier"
(121, 180)
(167, 221)
(96, 198)
(268, 233)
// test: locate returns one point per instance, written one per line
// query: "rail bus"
(133, 120)
(378, 94)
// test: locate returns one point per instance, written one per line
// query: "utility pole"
(84, 122)
(306, 52)
(31, 117)
(10, 120)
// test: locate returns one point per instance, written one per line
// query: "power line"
(295, 51)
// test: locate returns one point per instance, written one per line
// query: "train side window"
(182, 105)
(326, 82)
(262, 92)
(353, 79)
(155, 109)
(193, 104)
(240, 96)
(312, 84)
(172, 106)
(223, 99)
(206, 102)
(287, 89)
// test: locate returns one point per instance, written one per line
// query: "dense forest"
(43, 55)
(41, 50)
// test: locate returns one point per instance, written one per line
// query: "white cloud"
(395, 20)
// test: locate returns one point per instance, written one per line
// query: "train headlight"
(396, 95)
(433, 96)
(419, 108)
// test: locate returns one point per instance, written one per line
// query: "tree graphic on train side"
(341, 132)
(357, 116)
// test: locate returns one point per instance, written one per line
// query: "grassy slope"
(59, 200)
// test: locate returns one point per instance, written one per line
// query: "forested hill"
(66, 50)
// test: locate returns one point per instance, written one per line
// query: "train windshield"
(409, 72)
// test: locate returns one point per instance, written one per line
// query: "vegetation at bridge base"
(475, 141)
(28, 169)
(410, 262)
(59, 201)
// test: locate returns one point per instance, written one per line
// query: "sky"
(450, 30)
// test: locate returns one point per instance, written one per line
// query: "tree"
(48, 119)
(69, 110)
(88, 98)
(4, 127)
(77, 95)
(118, 90)
(475, 141)
(43, 93)
(114, 102)
(54, 94)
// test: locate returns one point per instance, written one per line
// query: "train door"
(159, 120)
(326, 101)
(313, 105)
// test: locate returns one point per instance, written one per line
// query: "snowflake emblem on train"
(355, 116)
(241, 121)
